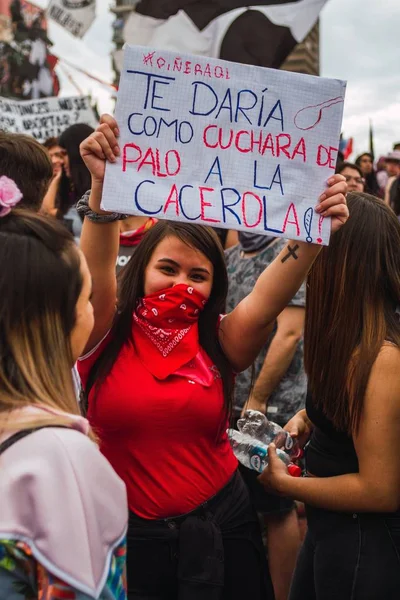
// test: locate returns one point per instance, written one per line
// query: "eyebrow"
(175, 264)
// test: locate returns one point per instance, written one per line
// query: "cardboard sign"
(45, 118)
(76, 16)
(222, 144)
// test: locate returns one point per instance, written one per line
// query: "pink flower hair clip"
(10, 195)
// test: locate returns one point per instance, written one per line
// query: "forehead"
(350, 171)
(173, 248)
(56, 150)
(366, 157)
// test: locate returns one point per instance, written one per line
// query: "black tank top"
(330, 452)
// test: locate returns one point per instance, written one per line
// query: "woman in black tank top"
(352, 415)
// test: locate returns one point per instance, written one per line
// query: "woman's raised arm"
(100, 241)
(244, 331)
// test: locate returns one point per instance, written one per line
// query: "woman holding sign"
(352, 359)
(159, 372)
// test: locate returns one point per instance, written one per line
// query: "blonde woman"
(63, 510)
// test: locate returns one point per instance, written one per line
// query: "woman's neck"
(132, 223)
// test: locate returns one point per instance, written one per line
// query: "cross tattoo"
(292, 252)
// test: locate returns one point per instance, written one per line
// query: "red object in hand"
(294, 470)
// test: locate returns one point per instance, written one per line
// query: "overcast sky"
(359, 43)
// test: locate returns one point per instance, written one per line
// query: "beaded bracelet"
(84, 210)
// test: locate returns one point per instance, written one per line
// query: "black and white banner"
(76, 16)
(259, 33)
(47, 117)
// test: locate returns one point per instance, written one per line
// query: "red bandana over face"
(166, 329)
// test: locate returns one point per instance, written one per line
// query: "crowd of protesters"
(380, 179)
(121, 482)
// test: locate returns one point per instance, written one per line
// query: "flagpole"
(371, 139)
(97, 79)
(71, 79)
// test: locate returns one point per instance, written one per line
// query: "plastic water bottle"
(253, 454)
(256, 425)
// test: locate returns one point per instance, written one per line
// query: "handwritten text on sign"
(45, 118)
(223, 144)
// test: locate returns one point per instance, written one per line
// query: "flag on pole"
(348, 148)
(76, 16)
(260, 32)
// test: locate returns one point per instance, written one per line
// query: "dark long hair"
(131, 289)
(352, 294)
(70, 140)
(371, 181)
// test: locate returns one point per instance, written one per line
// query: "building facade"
(305, 57)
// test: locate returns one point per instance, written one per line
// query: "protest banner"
(222, 144)
(76, 16)
(45, 118)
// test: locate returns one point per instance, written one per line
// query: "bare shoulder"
(388, 359)
(384, 382)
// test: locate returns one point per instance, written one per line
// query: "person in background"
(57, 156)
(56, 153)
(132, 231)
(392, 161)
(392, 192)
(279, 391)
(26, 162)
(159, 374)
(227, 237)
(396, 146)
(75, 180)
(354, 177)
(352, 359)
(382, 176)
(63, 510)
(366, 163)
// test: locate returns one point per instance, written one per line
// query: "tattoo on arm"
(291, 252)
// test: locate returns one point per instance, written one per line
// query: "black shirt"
(330, 452)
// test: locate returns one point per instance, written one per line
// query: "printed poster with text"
(222, 144)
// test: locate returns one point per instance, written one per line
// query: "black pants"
(160, 553)
(349, 557)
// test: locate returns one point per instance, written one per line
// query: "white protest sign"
(222, 144)
(76, 16)
(45, 118)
